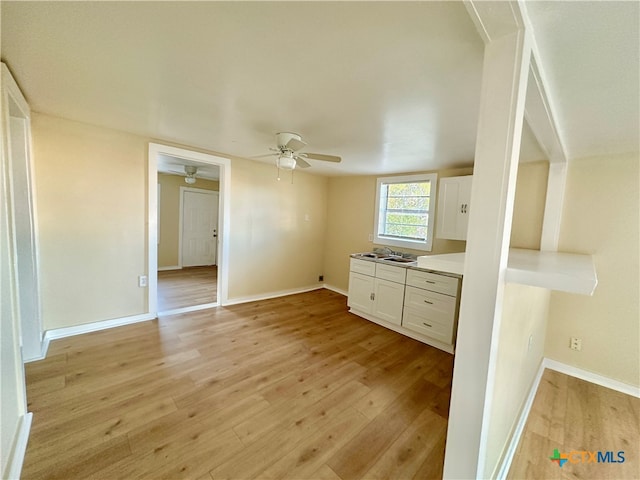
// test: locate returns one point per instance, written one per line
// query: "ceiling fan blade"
(301, 163)
(320, 156)
(265, 155)
(294, 145)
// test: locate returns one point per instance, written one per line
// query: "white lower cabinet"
(388, 300)
(377, 289)
(361, 292)
(421, 304)
(431, 305)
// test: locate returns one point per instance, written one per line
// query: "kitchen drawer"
(391, 273)
(363, 266)
(417, 322)
(433, 281)
(434, 305)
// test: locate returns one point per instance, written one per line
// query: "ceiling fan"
(287, 156)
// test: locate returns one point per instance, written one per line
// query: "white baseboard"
(194, 308)
(16, 460)
(336, 289)
(505, 465)
(592, 377)
(118, 322)
(96, 326)
(270, 295)
(164, 269)
(567, 370)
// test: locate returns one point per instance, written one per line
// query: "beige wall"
(350, 219)
(91, 192)
(524, 315)
(528, 209)
(90, 188)
(351, 216)
(169, 219)
(600, 217)
(277, 229)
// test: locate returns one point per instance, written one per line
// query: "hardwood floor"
(294, 387)
(571, 415)
(186, 287)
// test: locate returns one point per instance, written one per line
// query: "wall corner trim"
(270, 295)
(336, 289)
(166, 269)
(592, 377)
(505, 464)
(43, 350)
(16, 460)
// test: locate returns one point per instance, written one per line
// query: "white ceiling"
(175, 166)
(591, 54)
(389, 86)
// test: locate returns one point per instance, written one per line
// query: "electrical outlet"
(142, 281)
(576, 344)
(530, 344)
(371, 237)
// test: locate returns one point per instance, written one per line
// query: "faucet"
(388, 251)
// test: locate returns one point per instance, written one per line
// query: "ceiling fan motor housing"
(284, 137)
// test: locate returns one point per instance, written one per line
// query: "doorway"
(190, 216)
(196, 278)
(199, 231)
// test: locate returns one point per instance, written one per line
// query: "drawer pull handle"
(427, 324)
(427, 301)
(429, 281)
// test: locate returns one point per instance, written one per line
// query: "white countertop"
(567, 272)
(448, 262)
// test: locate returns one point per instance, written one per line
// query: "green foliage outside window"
(405, 209)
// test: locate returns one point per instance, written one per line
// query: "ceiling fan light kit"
(287, 158)
(191, 174)
(286, 162)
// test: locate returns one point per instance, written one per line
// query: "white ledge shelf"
(565, 272)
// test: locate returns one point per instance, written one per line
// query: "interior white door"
(199, 227)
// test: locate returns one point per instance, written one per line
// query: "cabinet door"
(389, 299)
(454, 194)
(360, 292)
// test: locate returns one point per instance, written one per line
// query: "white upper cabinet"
(454, 195)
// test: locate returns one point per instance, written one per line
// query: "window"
(404, 211)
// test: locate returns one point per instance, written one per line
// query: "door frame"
(224, 164)
(181, 217)
(17, 114)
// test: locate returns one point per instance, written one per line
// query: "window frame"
(425, 245)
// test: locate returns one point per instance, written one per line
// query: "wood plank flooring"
(571, 415)
(294, 387)
(187, 287)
